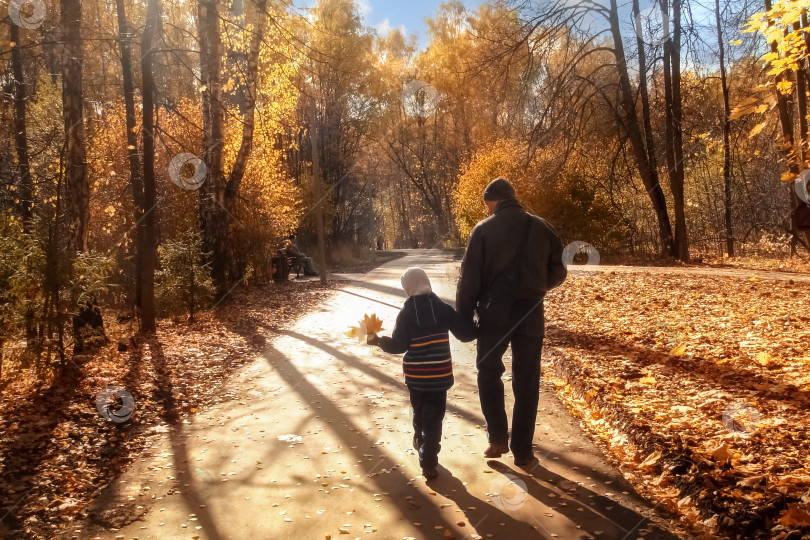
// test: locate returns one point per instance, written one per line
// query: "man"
(512, 241)
(292, 250)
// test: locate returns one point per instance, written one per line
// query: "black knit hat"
(498, 189)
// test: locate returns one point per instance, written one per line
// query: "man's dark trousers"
(525, 332)
(428, 414)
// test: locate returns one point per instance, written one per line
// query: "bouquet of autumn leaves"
(368, 326)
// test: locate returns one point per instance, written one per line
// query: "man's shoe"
(523, 461)
(430, 472)
(496, 449)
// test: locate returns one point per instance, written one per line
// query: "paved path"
(317, 438)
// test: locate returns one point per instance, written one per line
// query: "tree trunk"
(677, 176)
(649, 176)
(804, 69)
(249, 106)
(316, 194)
(135, 177)
(785, 116)
(801, 102)
(788, 141)
(77, 187)
(148, 221)
(212, 193)
(25, 192)
(726, 135)
(642, 89)
(669, 149)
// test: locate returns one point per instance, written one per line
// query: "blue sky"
(407, 15)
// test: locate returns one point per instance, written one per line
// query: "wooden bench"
(297, 263)
(283, 265)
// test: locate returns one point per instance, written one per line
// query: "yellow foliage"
(502, 159)
(776, 25)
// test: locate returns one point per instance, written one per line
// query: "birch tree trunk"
(249, 101)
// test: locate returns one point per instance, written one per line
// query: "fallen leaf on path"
(651, 461)
(678, 350)
(721, 453)
(795, 516)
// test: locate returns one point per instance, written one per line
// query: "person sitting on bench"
(292, 250)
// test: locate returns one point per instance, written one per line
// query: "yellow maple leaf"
(352, 332)
(678, 350)
(372, 323)
(764, 358)
(786, 87)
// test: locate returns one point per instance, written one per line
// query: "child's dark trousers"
(428, 414)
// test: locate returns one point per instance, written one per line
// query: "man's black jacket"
(492, 248)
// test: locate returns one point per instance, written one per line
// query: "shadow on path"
(163, 396)
(591, 511)
(393, 291)
(356, 442)
(484, 517)
(355, 362)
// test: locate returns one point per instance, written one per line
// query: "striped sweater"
(422, 333)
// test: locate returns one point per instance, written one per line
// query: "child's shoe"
(430, 472)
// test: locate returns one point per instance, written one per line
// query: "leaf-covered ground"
(57, 452)
(698, 386)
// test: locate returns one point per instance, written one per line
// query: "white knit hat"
(415, 281)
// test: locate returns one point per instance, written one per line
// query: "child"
(421, 332)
